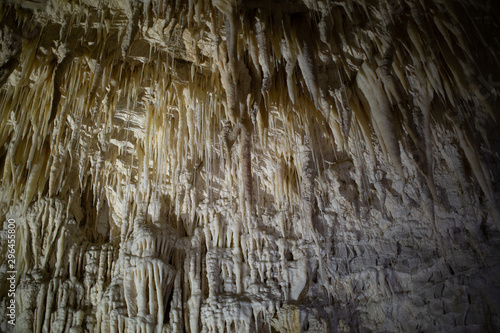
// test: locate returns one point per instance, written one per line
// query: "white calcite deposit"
(250, 166)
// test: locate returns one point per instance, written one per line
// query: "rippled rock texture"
(251, 166)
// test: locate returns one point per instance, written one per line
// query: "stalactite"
(62, 63)
(382, 117)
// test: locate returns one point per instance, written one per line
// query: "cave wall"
(244, 166)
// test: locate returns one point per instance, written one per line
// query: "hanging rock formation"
(250, 166)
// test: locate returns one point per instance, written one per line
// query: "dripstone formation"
(250, 166)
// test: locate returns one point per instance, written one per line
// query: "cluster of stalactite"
(222, 165)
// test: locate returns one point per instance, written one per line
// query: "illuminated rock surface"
(251, 166)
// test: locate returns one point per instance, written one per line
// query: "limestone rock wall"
(251, 166)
